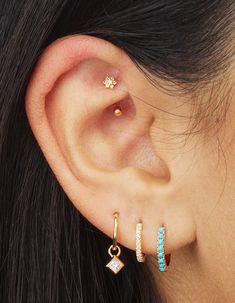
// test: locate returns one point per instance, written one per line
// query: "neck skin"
(187, 281)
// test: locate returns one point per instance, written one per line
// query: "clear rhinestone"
(109, 82)
(115, 264)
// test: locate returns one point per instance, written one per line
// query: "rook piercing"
(163, 261)
(138, 240)
(115, 265)
(109, 82)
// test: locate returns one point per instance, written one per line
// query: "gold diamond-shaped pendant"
(115, 265)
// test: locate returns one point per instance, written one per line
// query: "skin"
(140, 164)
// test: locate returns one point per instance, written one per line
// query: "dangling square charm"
(115, 265)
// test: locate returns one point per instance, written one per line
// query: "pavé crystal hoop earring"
(115, 264)
(138, 242)
(163, 260)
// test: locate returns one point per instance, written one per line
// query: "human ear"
(104, 163)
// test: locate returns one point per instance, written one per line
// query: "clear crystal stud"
(109, 82)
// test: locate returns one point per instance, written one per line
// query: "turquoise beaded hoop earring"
(163, 260)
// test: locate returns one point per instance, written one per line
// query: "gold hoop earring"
(140, 256)
(115, 264)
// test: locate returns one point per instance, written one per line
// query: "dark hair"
(48, 251)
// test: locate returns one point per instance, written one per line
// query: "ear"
(104, 163)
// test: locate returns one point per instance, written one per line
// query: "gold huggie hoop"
(115, 264)
(115, 230)
(140, 256)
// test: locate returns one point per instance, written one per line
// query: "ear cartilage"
(163, 260)
(109, 82)
(140, 256)
(115, 264)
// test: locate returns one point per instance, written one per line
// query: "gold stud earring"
(109, 82)
(117, 111)
(115, 264)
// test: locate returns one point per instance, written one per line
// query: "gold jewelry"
(117, 111)
(138, 241)
(109, 82)
(115, 264)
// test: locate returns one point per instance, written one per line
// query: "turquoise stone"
(160, 247)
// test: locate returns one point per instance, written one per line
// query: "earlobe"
(104, 161)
